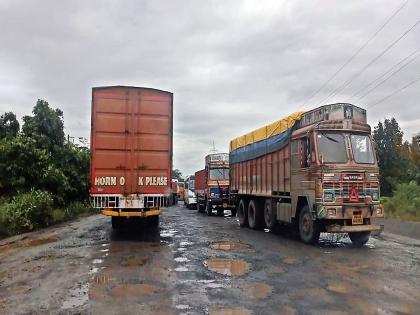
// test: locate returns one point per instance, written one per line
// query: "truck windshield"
(331, 148)
(219, 173)
(362, 149)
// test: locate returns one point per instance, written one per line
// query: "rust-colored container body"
(131, 144)
(200, 180)
(263, 175)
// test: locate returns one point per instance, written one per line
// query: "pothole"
(228, 246)
(229, 267)
(341, 287)
(291, 261)
(258, 291)
(135, 289)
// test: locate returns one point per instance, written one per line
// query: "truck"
(131, 152)
(212, 185)
(190, 199)
(316, 170)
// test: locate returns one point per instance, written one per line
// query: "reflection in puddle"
(135, 262)
(181, 259)
(229, 267)
(181, 269)
(104, 250)
(228, 245)
(135, 289)
(77, 297)
(182, 307)
(229, 311)
(185, 243)
(102, 279)
(97, 261)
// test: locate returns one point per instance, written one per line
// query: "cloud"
(232, 66)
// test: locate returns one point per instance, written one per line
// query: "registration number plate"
(357, 219)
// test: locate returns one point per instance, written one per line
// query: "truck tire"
(359, 238)
(255, 215)
(154, 220)
(220, 212)
(209, 208)
(233, 212)
(269, 215)
(199, 207)
(308, 229)
(116, 223)
(242, 213)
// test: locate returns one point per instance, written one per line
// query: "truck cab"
(214, 195)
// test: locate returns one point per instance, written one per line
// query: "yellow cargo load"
(265, 132)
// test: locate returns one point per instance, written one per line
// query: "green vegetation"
(399, 164)
(44, 179)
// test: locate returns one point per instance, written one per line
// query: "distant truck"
(190, 199)
(316, 170)
(131, 152)
(212, 185)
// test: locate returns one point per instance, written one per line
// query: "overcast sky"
(232, 65)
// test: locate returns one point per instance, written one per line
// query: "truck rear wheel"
(359, 238)
(308, 229)
(242, 213)
(255, 215)
(220, 212)
(116, 223)
(233, 212)
(269, 215)
(209, 208)
(199, 207)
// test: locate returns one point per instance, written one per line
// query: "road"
(194, 264)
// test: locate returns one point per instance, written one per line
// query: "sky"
(233, 66)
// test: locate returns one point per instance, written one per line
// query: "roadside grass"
(34, 210)
(404, 203)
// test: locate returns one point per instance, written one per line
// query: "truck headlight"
(328, 197)
(375, 196)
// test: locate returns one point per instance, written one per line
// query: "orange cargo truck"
(131, 152)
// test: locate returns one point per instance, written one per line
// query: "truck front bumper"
(352, 228)
(117, 213)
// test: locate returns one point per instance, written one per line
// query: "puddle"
(229, 311)
(228, 246)
(182, 307)
(29, 243)
(104, 250)
(135, 289)
(341, 287)
(185, 243)
(102, 279)
(181, 259)
(181, 269)
(229, 267)
(93, 270)
(136, 262)
(259, 291)
(42, 241)
(77, 297)
(276, 269)
(287, 310)
(181, 249)
(291, 261)
(97, 261)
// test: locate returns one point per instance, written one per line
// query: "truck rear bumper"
(115, 213)
(352, 228)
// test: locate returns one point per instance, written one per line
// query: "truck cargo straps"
(352, 228)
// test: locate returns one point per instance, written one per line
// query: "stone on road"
(195, 264)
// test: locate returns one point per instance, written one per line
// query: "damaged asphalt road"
(194, 264)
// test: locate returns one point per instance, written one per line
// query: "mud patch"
(229, 311)
(276, 270)
(229, 267)
(342, 287)
(228, 246)
(135, 289)
(135, 262)
(29, 243)
(291, 261)
(287, 310)
(258, 291)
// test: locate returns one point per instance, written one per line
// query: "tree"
(176, 174)
(46, 124)
(9, 126)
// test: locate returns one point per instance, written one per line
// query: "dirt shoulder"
(404, 228)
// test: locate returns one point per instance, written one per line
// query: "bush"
(27, 212)
(76, 209)
(405, 202)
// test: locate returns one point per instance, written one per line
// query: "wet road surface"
(194, 264)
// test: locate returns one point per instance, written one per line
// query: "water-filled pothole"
(229, 267)
(228, 246)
